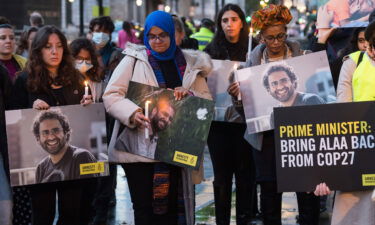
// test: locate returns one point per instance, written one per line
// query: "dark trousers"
(74, 202)
(231, 155)
(308, 205)
(105, 192)
(270, 200)
(140, 182)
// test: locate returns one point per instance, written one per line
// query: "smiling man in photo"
(52, 131)
(280, 82)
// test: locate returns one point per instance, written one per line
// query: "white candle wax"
(146, 115)
(250, 43)
(86, 88)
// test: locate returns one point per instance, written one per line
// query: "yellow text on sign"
(185, 158)
(368, 179)
(91, 168)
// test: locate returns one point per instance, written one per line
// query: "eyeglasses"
(162, 37)
(54, 131)
(282, 81)
(280, 37)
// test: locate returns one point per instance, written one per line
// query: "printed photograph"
(344, 13)
(59, 144)
(218, 81)
(177, 131)
(303, 80)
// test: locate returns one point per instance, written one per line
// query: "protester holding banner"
(161, 193)
(271, 22)
(355, 84)
(87, 64)
(230, 153)
(50, 79)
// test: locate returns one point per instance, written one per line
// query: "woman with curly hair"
(271, 22)
(86, 62)
(50, 79)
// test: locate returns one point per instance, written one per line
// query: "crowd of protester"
(44, 69)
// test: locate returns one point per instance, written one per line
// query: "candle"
(86, 88)
(236, 79)
(146, 115)
(250, 42)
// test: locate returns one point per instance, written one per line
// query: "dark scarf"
(180, 63)
(161, 171)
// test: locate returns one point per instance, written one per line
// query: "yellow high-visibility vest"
(363, 81)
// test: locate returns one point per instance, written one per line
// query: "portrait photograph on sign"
(330, 143)
(59, 144)
(177, 131)
(218, 81)
(303, 80)
(344, 13)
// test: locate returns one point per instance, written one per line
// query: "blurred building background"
(76, 14)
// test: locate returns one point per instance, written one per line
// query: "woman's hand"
(139, 120)
(322, 189)
(325, 17)
(40, 105)
(234, 89)
(86, 100)
(324, 34)
(180, 93)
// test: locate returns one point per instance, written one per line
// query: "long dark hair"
(219, 39)
(39, 79)
(353, 45)
(94, 74)
(23, 43)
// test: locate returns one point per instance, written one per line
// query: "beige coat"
(357, 207)
(135, 67)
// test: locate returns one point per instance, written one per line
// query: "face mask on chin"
(100, 39)
(83, 67)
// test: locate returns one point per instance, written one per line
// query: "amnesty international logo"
(185, 158)
(368, 179)
(91, 168)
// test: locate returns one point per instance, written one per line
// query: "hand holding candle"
(146, 115)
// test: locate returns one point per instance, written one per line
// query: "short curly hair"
(51, 115)
(279, 67)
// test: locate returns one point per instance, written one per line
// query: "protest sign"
(59, 144)
(332, 143)
(344, 13)
(177, 131)
(303, 80)
(218, 82)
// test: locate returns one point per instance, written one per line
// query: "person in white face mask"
(108, 57)
(101, 29)
(87, 64)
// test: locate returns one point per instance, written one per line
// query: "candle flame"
(86, 83)
(235, 66)
(148, 102)
(251, 31)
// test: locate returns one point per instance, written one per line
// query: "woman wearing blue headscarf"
(157, 194)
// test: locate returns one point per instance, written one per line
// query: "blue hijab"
(164, 21)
